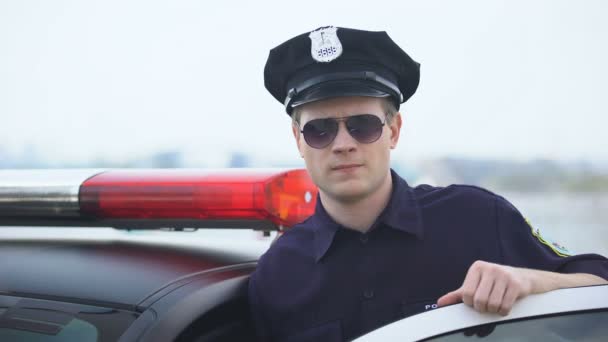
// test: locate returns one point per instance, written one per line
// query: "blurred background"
(512, 93)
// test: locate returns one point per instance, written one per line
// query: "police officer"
(376, 249)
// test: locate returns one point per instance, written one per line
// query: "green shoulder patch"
(555, 247)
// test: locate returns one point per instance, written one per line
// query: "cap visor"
(328, 90)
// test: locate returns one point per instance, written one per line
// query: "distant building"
(239, 160)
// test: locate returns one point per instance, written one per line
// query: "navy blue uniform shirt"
(323, 282)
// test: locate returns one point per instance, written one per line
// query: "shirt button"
(368, 294)
(364, 238)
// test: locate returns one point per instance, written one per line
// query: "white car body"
(457, 317)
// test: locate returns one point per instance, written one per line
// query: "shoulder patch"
(555, 247)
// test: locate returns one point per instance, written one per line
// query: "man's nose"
(343, 142)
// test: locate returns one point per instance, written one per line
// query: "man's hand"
(494, 288)
(490, 288)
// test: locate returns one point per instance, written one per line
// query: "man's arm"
(494, 288)
(534, 263)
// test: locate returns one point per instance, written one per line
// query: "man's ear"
(395, 128)
(296, 134)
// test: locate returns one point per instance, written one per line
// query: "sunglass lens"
(320, 132)
(365, 128)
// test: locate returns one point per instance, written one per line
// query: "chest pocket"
(331, 331)
(416, 306)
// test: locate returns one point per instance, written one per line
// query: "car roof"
(460, 316)
(114, 268)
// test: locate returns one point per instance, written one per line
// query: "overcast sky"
(81, 80)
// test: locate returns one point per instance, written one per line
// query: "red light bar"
(282, 197)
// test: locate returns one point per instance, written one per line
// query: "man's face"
(346, 169)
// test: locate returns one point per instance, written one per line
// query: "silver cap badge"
(325, 45)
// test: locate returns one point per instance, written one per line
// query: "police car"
(144, 255)
(149, 277)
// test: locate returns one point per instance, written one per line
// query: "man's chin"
(350, 191)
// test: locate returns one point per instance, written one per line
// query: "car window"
(585, 326)
(76, 330)
(33, 320)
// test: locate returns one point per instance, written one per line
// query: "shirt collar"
(402, 213)
(325, 229)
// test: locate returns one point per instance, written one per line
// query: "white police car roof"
(459, 316)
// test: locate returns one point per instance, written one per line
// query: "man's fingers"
(508, 300)
(497, 295)
(450, 298)
(471, 281)
(482, 295)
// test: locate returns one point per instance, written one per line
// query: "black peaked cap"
(334, 61)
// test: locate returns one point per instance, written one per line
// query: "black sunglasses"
(365, 128)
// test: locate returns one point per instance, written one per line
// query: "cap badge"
(325, 45)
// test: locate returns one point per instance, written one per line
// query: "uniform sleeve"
(521, 246)
(256, 309)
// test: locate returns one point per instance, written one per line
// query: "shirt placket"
(367, 290)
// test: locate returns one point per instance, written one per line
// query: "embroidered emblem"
(555, 247)
(325, 45)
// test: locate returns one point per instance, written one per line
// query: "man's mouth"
(345, 167)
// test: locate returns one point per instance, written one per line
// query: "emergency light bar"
(162, 198)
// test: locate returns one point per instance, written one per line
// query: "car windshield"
(586, 326)
(76, 330)
(32, 320)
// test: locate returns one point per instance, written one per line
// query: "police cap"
(334, 61)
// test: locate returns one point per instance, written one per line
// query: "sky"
(86, 80)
